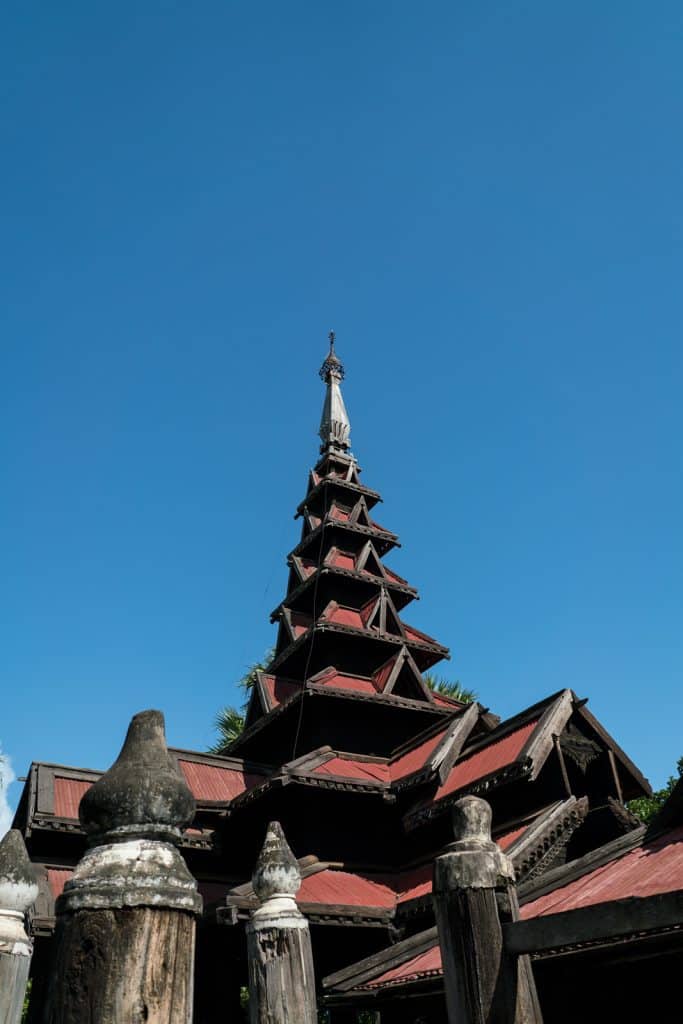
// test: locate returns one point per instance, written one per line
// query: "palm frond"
(450, 688)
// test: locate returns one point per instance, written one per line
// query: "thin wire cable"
(313, 634)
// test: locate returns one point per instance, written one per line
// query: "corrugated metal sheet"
(210, 782)
(489, 759)
(342, 560)
(648, 870)
(421, 966)
(416, 634)
(57, 879)
(350, 769)
(343, 617)
(344, 682)
(414, 759)
(345, 888)
(67, 795)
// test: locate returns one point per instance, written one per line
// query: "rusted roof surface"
(67, 796)
(57, 879)
(343, 887)
(342, 616)
(279, 690)
(351, 769)
(414, 759)
(210, 782)
(342, 681)
(421, 966)
(487, 759)
(648, 870)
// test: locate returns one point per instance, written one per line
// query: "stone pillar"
(18, 891)
(281, 978)
(126, 919)
(474, 883)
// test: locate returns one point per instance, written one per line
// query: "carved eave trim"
(420, 646)
(333, 481)
(353, 574)
(513, 772)
(384, 537)
(355, 975)
(546, 837)
(551, 723)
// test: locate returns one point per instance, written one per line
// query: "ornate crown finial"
(332, 366)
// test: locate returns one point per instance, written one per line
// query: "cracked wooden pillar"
(474, 891)
(18, 891)
(281, 978)
(126, 919)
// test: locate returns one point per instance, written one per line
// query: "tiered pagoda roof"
(340, 624)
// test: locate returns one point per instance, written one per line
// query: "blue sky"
(485, 202)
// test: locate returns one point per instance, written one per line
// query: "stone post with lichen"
(281, 978)
(18, 891)
(126, 919)
(474, 893)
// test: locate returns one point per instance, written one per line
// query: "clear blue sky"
(485, 202)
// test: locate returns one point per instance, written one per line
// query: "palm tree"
(450, 688)
(230, 720)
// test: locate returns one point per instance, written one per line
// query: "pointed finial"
(332, 366)
(18, 886)
(277, 871)
(143, 793)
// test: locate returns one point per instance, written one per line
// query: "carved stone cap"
(18, 886)
(143, 793)
(277, 872)
(474, 860)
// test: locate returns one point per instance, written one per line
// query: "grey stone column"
(474, 883)
(281, 978)
(18, 891)
(126, 919)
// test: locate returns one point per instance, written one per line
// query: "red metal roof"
(414, 759)
(350, 769)
(342, 616)
(67, 796)
(488, 759)
(341, 681)
(653, 868)
(421, 966)
(417, 635)
(211, 782)
(279, 690)
(341, 559)
(57, 879)
(345, 888)
(382, 674)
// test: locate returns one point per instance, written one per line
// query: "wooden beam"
(602, 923)
(362, 971)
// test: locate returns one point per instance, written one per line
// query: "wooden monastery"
(361, 762)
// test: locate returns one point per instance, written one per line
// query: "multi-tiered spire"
(340, 627)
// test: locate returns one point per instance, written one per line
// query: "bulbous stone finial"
(473, 861)
(277, 872)
(18, 886)
(142, 794)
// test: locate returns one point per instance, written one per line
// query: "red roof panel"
(345, 888)
(350, 769)
(210, 782)
(414, 759)
(279, 690)
(650, 869)
(420, 966)
(67, 795)
(488, 759)
(57, 879)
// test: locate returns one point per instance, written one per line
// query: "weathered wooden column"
(473, 888)
(126, 919)
(18, 890)
(281, 978)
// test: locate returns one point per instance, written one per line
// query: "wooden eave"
(435, 649)
(548, 833)
(550, 724)
(371, 497)
(444, 754)
(363, 971)
(353, 574)
(609, 741)
(383, 538)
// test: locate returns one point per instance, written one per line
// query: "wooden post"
(126, 919)
(473, 886)
(281, 978)
(18, 890)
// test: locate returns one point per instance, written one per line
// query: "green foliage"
(646, 807)
(27, 997)
(449, 688)
(229, 721)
